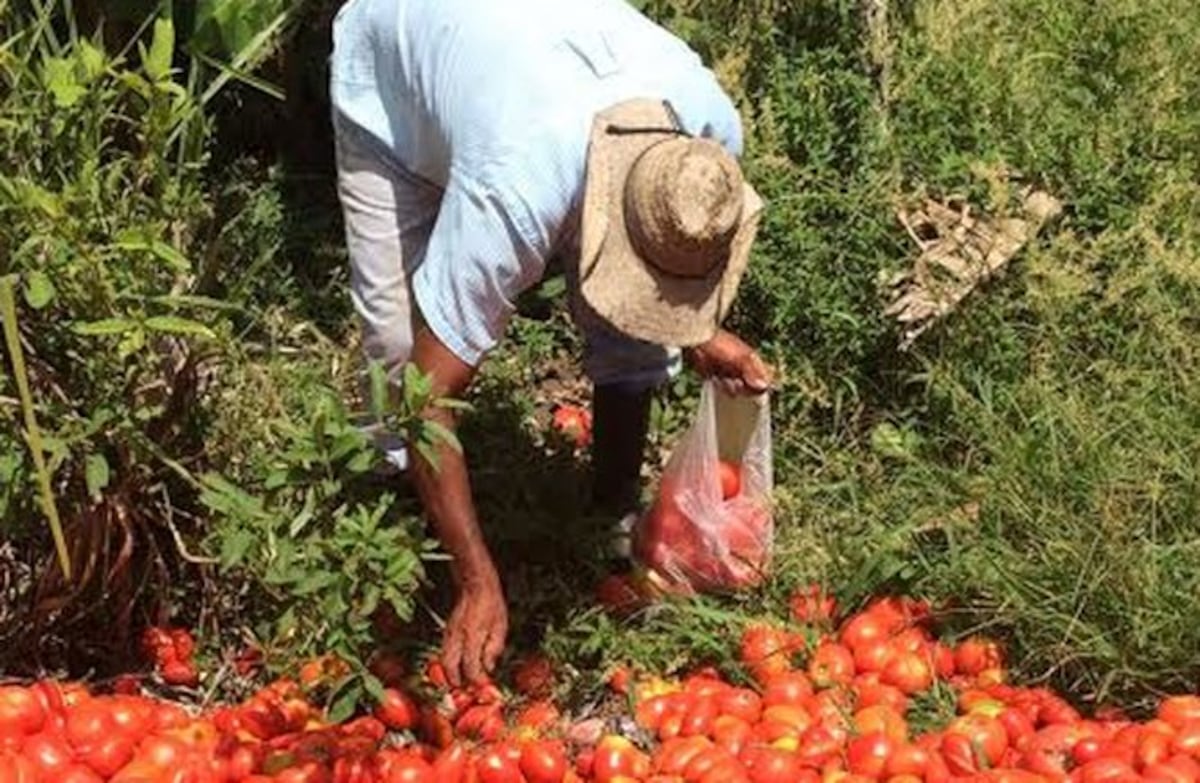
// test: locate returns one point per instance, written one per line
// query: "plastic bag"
(694, 539)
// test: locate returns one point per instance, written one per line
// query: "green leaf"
(379, 390)
(97, 474)
(442, 433)
(138, 241)
(176, 325)
(345, 700)
(361, 462)
(105, 326)
(234, 547)
(38, 289)
(91, 59)
(157, 62)
(58, 75)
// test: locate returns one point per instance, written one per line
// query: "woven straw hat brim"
(636, 297)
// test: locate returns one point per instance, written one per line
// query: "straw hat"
(667, 226)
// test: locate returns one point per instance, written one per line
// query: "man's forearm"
(446, 494)
(445, 490)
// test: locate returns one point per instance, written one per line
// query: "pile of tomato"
(812, 701)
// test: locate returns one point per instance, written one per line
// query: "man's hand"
(732, 363)
(475, 634)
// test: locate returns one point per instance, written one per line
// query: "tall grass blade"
(8, 311)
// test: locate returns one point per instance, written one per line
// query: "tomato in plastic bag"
(694, 537)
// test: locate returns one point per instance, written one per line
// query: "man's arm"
(475, 634)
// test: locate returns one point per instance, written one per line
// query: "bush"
(148, 314)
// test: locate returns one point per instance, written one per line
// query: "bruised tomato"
(766, 651)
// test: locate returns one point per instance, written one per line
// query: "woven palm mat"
(959, 252)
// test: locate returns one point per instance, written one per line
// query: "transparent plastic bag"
(691, 537)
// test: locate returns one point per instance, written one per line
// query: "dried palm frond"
(959, 252)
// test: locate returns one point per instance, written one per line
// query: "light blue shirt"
(493, 101)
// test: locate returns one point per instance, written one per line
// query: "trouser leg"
(388, 215)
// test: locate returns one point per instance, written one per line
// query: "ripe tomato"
(907, 759)
(984, 736)
(882, 720)
(909, 672)
(730, 476)
(616, 756)
(77, 773)
(872, 656)
(397, 710)
(831, 664)
(181, 673)
(15, 768)
(1105, 769)
(732, 733)
(50, 753)
(544, 762)
(771, 765)
(868, 754)
(21, 712)
(574, 422)
(1175, 710)
(407, 768)
(871, 693)
(863, 628)
(976, 655)
(741, 703)
(765, 650)
(787, 688)
(107, 755)
(812, 605)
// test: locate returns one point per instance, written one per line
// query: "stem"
(8, 311)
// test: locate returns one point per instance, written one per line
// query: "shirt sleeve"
(490, 242)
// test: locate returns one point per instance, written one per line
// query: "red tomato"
(397, 710)
(907, 759)
(986, 734)
(976, 655)
(107, 755)
(831, 664)
(495, 766)
(818, 745)
(21, 711)
(77, 773)
(766, 651)
(544, 762)
(812, 605)
(50, 753)
(730, 476)
(868, 754)
(674, 755)
(741, 703)
(1105, 769)
(1165, 773)
(451, 763)
(882, 720)
(863, 628)
(181, 673)
(787, 688)
(574, 422)
(408, 768)
(731, 733)
(616, 756)
(772, 765)
(1178, 710)
(910, 672)
(162, 751)
(873, 693)
(872, 656)
(15, 768)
